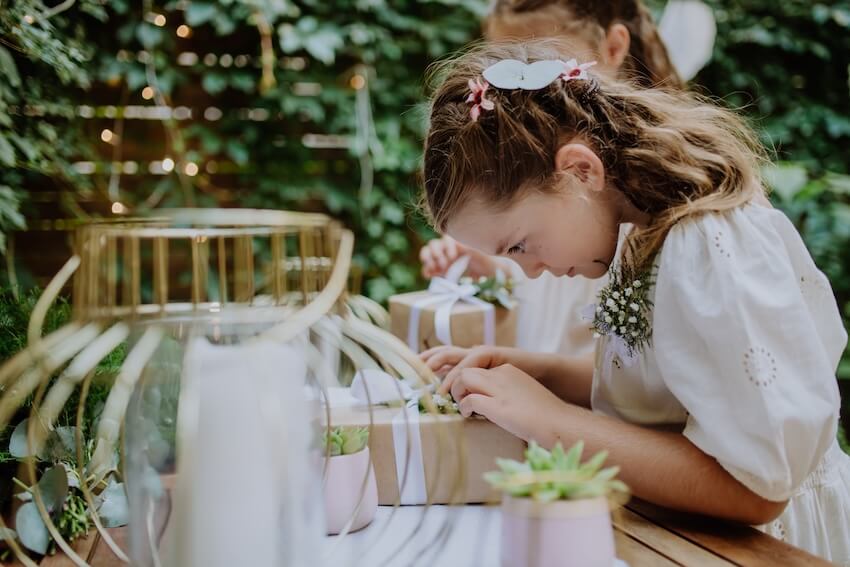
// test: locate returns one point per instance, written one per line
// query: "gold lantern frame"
(121, 274)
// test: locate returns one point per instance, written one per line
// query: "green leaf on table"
(31, 530)
(60, 444)
(18, 446)
(114, 511)
(53, 487)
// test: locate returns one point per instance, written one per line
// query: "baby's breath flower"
(626, 308)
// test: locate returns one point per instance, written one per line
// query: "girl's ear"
(583, 163)
(615, 46)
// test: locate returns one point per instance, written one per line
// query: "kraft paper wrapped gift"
(468, 322)
(448, 461)
(450, 312)
(415, 455)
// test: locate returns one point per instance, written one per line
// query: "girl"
(623, 37)
(714, 381)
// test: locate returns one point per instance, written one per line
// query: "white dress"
(549, 316)
(746, 339)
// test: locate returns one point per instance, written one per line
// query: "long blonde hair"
(673, 154)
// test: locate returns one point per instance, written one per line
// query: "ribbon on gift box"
(443, 294)
(374, 387)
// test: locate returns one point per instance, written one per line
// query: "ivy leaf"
(214, 83)
(8, 67)
(149, 35)
(199, 13)
(7, 152)
(786, 179)
(323, 45)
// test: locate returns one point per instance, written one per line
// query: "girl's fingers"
(428, 262)
(426, 354)
(452, 249)
(474, 359)
(476, 403)
(445, 358)
(470, 381)
(439, 254)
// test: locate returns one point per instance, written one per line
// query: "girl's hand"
(511, 399)
(440, 253)
(448, 361)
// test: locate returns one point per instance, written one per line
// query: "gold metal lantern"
(240, 315)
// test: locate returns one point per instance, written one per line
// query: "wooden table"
(646, 536)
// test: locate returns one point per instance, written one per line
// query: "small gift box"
(422, 457)
(456, 311)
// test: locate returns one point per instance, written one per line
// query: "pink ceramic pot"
(564, 533)
(343, 490)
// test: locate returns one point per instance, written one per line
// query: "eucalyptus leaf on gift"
(345, 440)
(547, 476)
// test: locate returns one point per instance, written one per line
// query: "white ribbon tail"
(409, 462)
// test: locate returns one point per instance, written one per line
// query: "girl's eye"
(518, 248)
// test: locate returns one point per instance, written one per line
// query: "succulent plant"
(547, 476)
(345, 440)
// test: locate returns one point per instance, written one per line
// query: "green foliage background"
(784, 64)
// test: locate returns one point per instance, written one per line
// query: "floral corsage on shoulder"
(622, 313)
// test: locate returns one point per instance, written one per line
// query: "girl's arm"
(569, 378)
(659, 466)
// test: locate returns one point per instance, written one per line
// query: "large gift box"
(452, 311)
(422, 457)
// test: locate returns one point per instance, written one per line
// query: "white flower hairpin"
(512, 74)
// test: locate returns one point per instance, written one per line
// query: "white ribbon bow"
(444, 293)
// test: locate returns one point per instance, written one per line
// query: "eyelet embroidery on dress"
(778, 529)
(721, 245)
(813, 284)
(760, 366)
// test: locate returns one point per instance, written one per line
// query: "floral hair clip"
(512, 74)
(478, 89)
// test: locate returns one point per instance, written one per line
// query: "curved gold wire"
(321, 276)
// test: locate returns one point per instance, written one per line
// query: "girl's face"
(568, 232)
